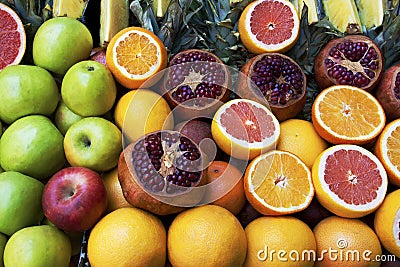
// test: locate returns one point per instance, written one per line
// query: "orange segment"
(278, 182)
(12, 37)
(347, 115)
(134, 55)
(349, 180)
(387, 149)
(269, 26)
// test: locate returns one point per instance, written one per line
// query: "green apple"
(61, 42)
(88, 89)
(64, 117)
(33, 146)
(94, 143)
(26, 90)
(3, 241)
(38, 246)
(20, 202)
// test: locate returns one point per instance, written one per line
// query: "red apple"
(74, 199)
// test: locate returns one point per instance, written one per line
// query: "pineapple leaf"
(144, 14)
(311, 40)
(387, 36)
(28, 10)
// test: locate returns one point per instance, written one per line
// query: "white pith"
(125, 73)
(380, 193)
(19, 29)
(385, 135)
(266, 142)
(278, 46)
(372, 134)
(252, 188)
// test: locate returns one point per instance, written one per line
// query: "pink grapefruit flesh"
(255, 126)
(12, 37)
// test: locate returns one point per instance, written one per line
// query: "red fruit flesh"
(276, 78)
(351, 60)
(196, 83)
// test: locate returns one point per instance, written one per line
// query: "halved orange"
(245, 129)
(269, 26)
(344, 114)
(277, 183)
(12, 37)
(349, 180)
(387, 149)
(134, 55)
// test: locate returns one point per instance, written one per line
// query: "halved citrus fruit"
(387, 223)
(269, 26)
(245, 129)
(344, 114)
(12, 37)
(349, 180)
(387, 149)
(134, 55)
(277, 183)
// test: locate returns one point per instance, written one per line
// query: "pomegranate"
(352, 60)
(99, 54)
(276, 78)
(158, 172)
(388, 92)
(195, 129)
(196, 83)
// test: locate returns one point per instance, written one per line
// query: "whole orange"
(127, 237)
(279, 241)
(346, 242)
(226, 188)
(209, 236)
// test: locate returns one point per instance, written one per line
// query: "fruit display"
(199, 133)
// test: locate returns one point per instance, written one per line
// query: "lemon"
(142, 111)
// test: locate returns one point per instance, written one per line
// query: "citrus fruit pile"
(200, 133)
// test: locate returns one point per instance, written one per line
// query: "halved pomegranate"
(388, 92)
(159, 171)
(276, 78)
(196, 83)
(352, 60)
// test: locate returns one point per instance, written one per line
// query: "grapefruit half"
(245, 129)
(349, 180)
(12, 37)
